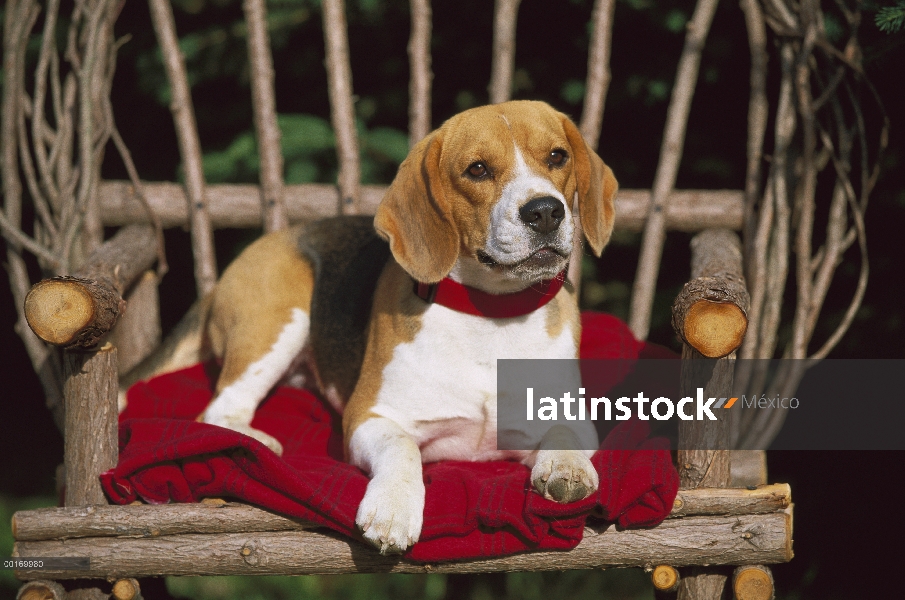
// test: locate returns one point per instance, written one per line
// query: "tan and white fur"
(426, 387)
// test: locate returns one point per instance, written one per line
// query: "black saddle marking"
(347, 256)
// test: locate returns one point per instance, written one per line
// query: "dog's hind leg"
(259, 324)
(251, 367)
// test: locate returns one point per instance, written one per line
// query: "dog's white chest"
(441, 387)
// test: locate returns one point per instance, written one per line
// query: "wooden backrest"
(56, 135)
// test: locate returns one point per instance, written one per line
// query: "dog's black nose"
(543, 214)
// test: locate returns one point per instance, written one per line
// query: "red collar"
(473, 301)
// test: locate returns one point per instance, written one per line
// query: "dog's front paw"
(391, 514)
(564, 475)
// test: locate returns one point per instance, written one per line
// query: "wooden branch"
(756, 272)
(265, 115)
(237, 205)
(731, 501)
(88, 71)
(758, 114)
(46, 194)
(189, 146)
(67, 173)
(77, 311)
(753, 582)
(668, 167)
(137, 332)
(138, 189)
(88, 593)
(599, 76)
(43, 359)
(710, 313)
(41, 590)
(855, 303)
(806, 189)
(13, 81)
(72, 311)
(421, 75)
(598, 81)
(342, 110)
(102, 57)
(750, 539)
(748, 467)
(703, 454)
(832, 250)
(504, 20)
(702, 583)
(665, 578)
(837, 238)
(774, 237)
(122, 259)
(771, 263)
(91, 441)
(144, 520)
(17, 237)
(126, 589)
(38, 121)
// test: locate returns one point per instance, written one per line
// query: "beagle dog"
(398, 321)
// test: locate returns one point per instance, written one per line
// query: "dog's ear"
(596, 189)
(415, 217)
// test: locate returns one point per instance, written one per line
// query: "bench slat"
(710, 540)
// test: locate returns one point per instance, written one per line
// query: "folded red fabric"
(471, 510)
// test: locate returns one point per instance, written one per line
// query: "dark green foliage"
(891, 18)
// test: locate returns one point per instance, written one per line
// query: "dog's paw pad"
(562, 490)
(390, 516)
(564, 476)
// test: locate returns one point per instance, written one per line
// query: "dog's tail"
(183, 347)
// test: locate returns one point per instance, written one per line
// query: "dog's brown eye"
(557, 158)
(477, 170)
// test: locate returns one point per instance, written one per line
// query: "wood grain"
(753, 582)
(239, 205)
(733, 540)
(90, 436)
(703, 455)
(137, 333)
(203, 252)
(144, 520)
(711, 312)
(665, 578)
(78, 310)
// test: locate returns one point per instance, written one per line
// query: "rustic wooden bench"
(726, 515)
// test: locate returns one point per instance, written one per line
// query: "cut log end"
(753, 583)
(665, 578)
(715, 329)
(126, 589)
(57, 310)
(41, 590)
(72, 312)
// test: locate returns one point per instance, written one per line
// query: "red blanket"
(472, 509)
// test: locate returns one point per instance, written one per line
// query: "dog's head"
(488, 196)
